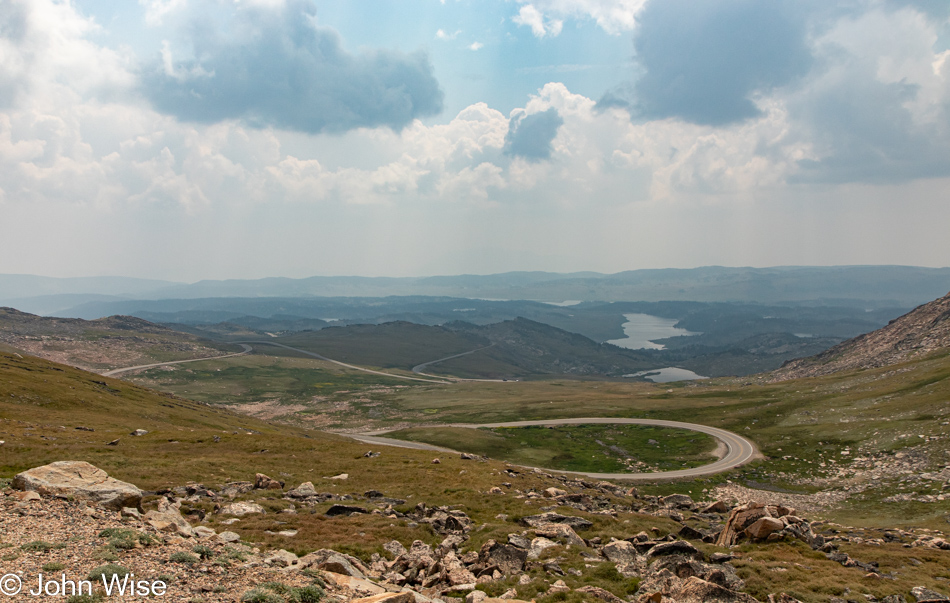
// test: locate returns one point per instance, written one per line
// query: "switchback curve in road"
(738, 449)
(119, 371)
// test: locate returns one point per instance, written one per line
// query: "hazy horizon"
(185, 141)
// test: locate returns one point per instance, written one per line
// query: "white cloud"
(540, 25)
(443, 35)
(156, 10)
(475, 46)
(613, 16)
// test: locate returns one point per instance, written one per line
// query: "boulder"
(620, 552)
(262, 482)
(332, 561)
(676, 547)
(509, 559)
(716, 507)
(395, 548)
(577, 523)
(697, 590)
(925, 594)
(138, 432)
(404, 597)
(678, 501)
(304, 490)
(344, 510)
(281, 558)
(233, 489)
(560, 531)
(600, 593)
(242, 508)
(538, 545)
(81, 480)
(739, 519)
(168, 519)
(339, 564)
(554, 492)
(763, 527)
(228, 537)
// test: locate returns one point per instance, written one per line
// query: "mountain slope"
(101, 344)
(919, 332)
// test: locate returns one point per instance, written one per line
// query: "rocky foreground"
(72, 522)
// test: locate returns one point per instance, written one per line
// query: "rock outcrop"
(80, 480)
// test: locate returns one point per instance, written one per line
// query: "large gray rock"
(577, 523)
(242, 508)
(81, 480)
(168, 519)
(509, 559)
(304, 490)
(620, 552)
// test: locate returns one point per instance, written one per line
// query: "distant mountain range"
(871, 286)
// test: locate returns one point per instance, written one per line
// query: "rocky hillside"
(69, 525)
(919, 332)
(105, 343)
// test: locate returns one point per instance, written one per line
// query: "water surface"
(642, 329)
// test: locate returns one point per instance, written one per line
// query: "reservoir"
(668, 374)
(642, 329)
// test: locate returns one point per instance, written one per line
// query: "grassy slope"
(41, 403)
(577, 447)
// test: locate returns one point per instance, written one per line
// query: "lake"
(642, 329)
(665, 375)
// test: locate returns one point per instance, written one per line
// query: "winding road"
(738, 449)
(119, 371)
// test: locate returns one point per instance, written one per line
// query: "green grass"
(880, 412)
(593, 448)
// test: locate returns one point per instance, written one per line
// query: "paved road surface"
(119, 371)
(349, 366)
(738, 449)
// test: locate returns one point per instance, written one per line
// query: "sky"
(214, 139)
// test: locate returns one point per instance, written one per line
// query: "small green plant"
(278, 587)
(313, 575)
(53, 567)
(41, 546)
(183, 557)
(203, 551)
(166, 579)
(93, 598)
(258, 595)
(236, 555)
(107, 553)
(306, 594)
(220, 588)
(126, 539)
(105, 572)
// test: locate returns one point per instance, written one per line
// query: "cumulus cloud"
(705, 62)
(44, 45)
(613, 16)
(530, 136)
(282, 70)
(879, 109)
(540, 25)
